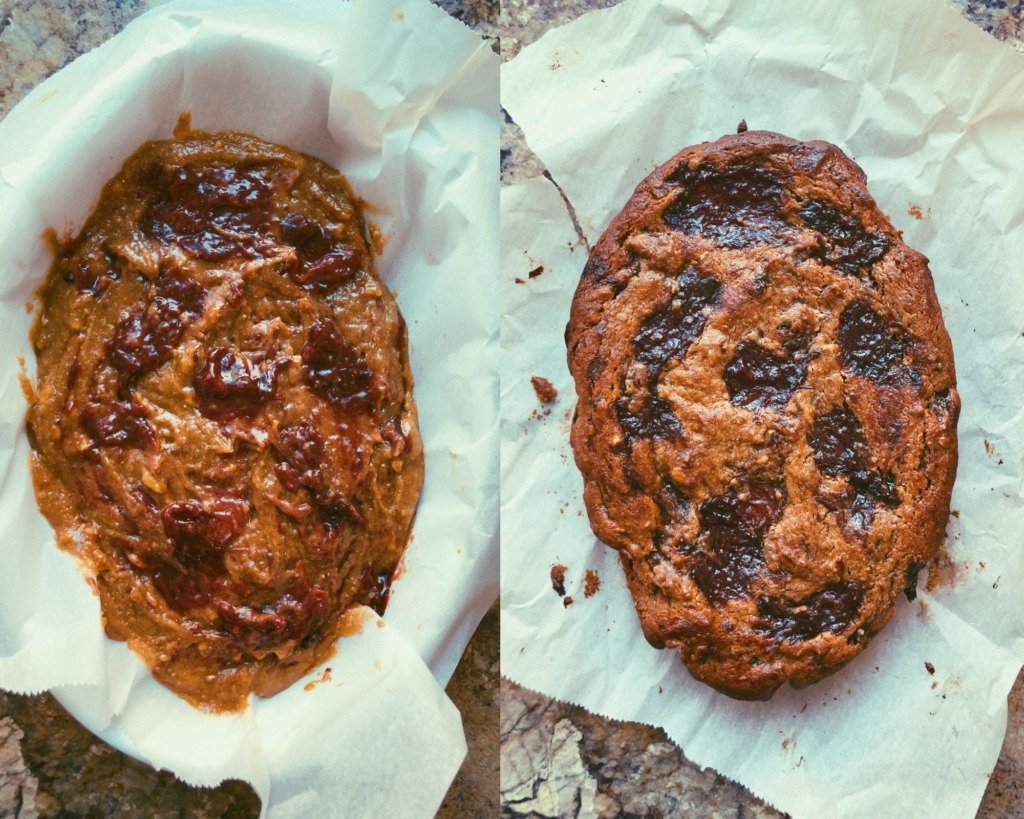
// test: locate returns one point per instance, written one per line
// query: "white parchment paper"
(933, 110)
(402, 99)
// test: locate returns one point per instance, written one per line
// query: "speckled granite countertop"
(558, 760)
(49, 764)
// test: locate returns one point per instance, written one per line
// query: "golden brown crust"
(766, 423)
(223, 426)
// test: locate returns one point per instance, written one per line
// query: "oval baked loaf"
(766, 423)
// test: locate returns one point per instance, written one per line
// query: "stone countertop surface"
(49, 764)
(559, 760)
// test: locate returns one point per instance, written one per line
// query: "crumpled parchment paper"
(401, 98)
(933, 110)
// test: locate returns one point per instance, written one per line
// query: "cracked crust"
(766, 424)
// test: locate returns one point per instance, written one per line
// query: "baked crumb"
(546, 392)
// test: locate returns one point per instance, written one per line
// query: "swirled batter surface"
(222, 425)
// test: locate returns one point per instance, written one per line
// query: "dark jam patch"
(93, 273)
(845, 244)
(831, 610)
(841, 451)
(231, 384)
(736, 206)
(214, 213)
(201, 531)
(287, 619)
(322, 262)
(756, 377)
(185, 591)
(337, 510)
(394, 435)
(376, 590)
(729, 553)
(663, 337)
(146, 334)
(910, 586)
(872, 347)
(335, 371)
(118, 424)
(300, 451)
(558, 579)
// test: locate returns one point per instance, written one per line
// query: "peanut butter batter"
(222, 425)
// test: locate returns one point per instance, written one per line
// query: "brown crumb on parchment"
(591, 583)
(915, 211)
(533, 274)
(742, 127)
(567, 601)
(558, 579)
(546, 392)
(929, 667)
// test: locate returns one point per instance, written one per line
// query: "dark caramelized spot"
(756, 377)
(668, 334)
(729, 555)
(145, 335)
(335, 371)
(841, 451)
(871, 347)
(214, 213)
(736, 206)
(287, 619)
(322, 261)
(665, 336)
(646, 416)
(231, 384)
(832, 610)
(910, 586)
(118, 424)
(845, 244)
